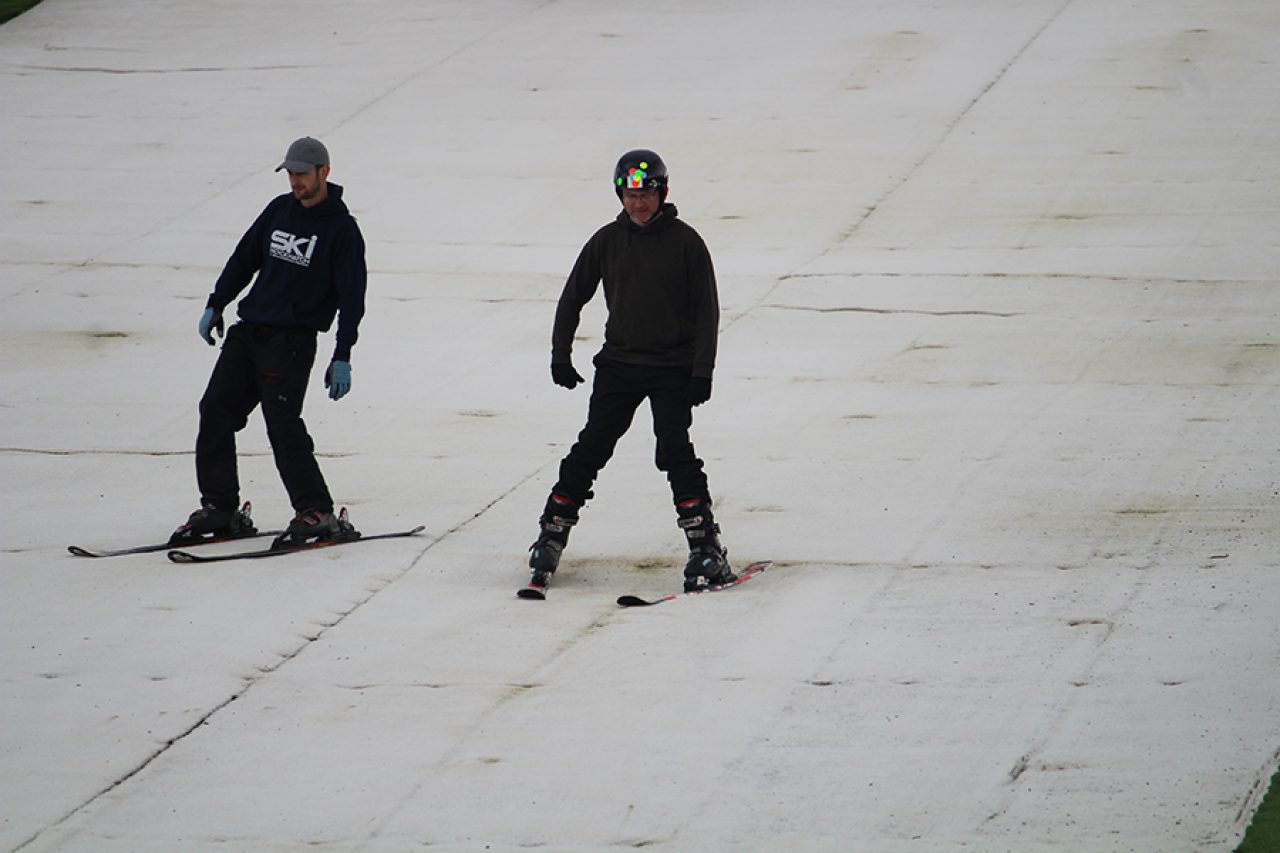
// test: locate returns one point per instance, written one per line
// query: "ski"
(179, 556)
(743, 576)
(165, 546)
(535, 591)
(246, 531)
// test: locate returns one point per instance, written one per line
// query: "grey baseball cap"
(304, 155)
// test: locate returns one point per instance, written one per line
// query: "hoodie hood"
(667, 214)
(333, 205)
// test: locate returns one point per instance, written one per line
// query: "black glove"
(565, 376)
(698, 391)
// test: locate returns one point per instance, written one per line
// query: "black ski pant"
(617, 391)
(263, 366)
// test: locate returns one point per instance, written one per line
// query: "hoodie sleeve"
(706, 304)
(244, 262)
(351, 279)
(578, 290)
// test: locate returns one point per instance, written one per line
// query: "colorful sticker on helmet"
(636, 176)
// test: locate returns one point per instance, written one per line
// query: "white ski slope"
(997, 390)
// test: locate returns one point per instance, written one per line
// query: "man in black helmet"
(659, 345)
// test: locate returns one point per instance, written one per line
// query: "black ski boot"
(708, 560)
(209, 522)
(558, 516)
(311, 525)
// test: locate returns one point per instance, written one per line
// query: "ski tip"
(637, 601)
(415, 531)
(80, 552)
(532, 593)
(183, 557)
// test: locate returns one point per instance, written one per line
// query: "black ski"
(743, 576)
(178, 540)
(185, 557)
(165, 546)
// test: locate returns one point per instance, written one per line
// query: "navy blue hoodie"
(310, 266)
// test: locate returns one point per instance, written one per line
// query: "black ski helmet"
(640, 169)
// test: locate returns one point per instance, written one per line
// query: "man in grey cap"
(307, 254)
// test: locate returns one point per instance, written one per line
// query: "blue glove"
(338, 379)
(210, 322)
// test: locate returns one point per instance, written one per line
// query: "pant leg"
(228, 399)
(285, 358)
(614, 399)
(674, 453)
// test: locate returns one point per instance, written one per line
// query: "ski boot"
(708, 564)
(311, 525)
(558, 516)
(209, 523)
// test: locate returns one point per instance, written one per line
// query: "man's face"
(309, 187)
(641, 205)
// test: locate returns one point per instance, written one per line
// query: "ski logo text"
(295, 250)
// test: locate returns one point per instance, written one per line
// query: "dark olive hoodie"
(660, 289)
